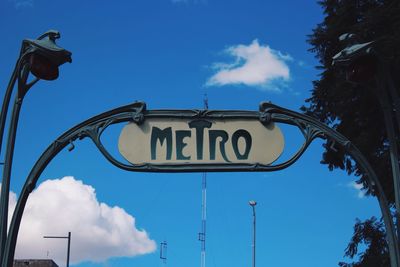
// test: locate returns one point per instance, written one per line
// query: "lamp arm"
(5, 187)
(7, 96)
(6, 103)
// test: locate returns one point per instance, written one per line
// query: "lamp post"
(362, 64)
(41, 57)
(69, 244)
(253, 204)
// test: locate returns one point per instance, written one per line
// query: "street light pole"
(69, 244)
(41, 57)
(253, 204)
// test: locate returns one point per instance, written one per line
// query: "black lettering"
(180, 135)
(235, 139)
(161, 136)
(213, 135)
(199, 125)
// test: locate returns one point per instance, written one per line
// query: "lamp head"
(252, 203)
(43, 68)
(358, 59)
(351, 53)
(45, 56)
(362, 69)
(348, 38)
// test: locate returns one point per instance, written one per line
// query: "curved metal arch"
(80, 131)
(136, 112)
(279, 114)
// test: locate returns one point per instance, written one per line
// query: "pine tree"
(353, 109)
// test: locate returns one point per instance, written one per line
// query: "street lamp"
(253, 204)
(46, 55)
(69, 244)
(362, 64)
(41, 57)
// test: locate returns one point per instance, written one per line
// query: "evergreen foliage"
(353, 109)
(372, 234)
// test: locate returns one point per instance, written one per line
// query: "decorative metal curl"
(268, 113)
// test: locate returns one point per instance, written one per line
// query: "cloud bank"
(98, 231)
(254, 65)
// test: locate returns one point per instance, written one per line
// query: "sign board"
(170, 141)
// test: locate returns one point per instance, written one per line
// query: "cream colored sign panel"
(174, 141)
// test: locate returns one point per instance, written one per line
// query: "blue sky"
(169, 53)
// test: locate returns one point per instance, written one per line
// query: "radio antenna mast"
(202, 234)
(205, 102)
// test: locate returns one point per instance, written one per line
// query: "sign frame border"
(192, 115)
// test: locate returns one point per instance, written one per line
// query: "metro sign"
(201, 141)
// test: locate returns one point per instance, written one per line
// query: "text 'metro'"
(177, 141)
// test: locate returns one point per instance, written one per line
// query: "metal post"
(163, 252)
(6, 102)
(5, 188)
(69, 244)
(41, 52)
(253, 204)
(387, 108)
(69, 248)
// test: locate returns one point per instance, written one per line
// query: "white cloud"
(98, 231)
(358, 187)
(254, 65)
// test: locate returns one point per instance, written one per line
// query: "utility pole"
(69, 244)
(253, 204)
(163, 252)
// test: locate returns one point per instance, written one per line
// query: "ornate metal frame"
(93, 128)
